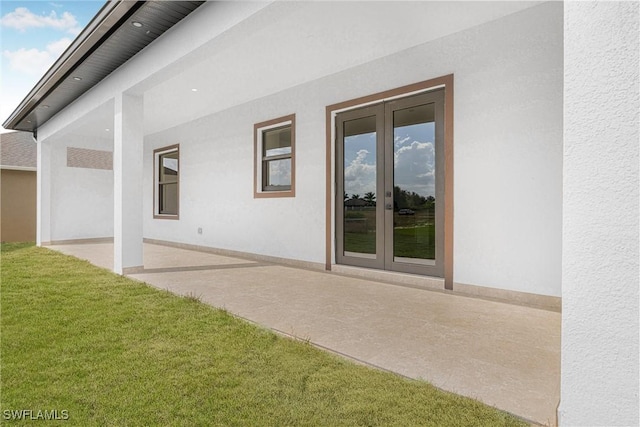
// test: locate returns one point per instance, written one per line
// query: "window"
(167, 182)
(274, 148)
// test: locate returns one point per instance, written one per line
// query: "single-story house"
(18, 184)
(510, 129)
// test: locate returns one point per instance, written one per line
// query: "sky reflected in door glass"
(360, 164)
(414, 159)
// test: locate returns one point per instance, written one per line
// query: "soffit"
(107, 42)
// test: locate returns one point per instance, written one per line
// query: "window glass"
(169, 199)
(167, 163)
(169, 169)
(278, 173)
(275, 148)
(359, 146)
(276, 142)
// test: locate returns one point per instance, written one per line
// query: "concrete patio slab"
(507, 356)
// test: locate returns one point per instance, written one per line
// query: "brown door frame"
(445, 82)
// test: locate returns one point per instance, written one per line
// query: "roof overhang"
(107, 42)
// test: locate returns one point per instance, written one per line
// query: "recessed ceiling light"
(136, 24)
(28, 121)
(77, 78)
(45, 106)
(194, 90)
(106, 130)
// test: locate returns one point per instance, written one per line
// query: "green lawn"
(111, 351)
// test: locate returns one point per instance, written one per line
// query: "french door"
(390, 185)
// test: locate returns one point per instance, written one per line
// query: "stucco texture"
(600, 210)
(507, 148)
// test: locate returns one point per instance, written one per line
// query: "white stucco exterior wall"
(81, 199)
(43, 194)
(600, 215)
(508, 127)
(508, 154)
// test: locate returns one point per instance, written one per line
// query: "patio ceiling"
(259, 56)
(351, 35)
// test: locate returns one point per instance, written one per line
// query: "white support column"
(43, 191)
(127, 183)
(600, 253)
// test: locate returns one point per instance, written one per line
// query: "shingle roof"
(17, 149)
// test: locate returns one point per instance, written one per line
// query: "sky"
(413, 159)
(33, 34)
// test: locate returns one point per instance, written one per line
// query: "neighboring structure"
(245, 125)
(18, 185)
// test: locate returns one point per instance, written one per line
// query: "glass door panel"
(360, 170)
(359, 219)
(414, 185)
(390, 185)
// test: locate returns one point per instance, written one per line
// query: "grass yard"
(111, 351)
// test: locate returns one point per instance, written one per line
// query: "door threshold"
(412, 280)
